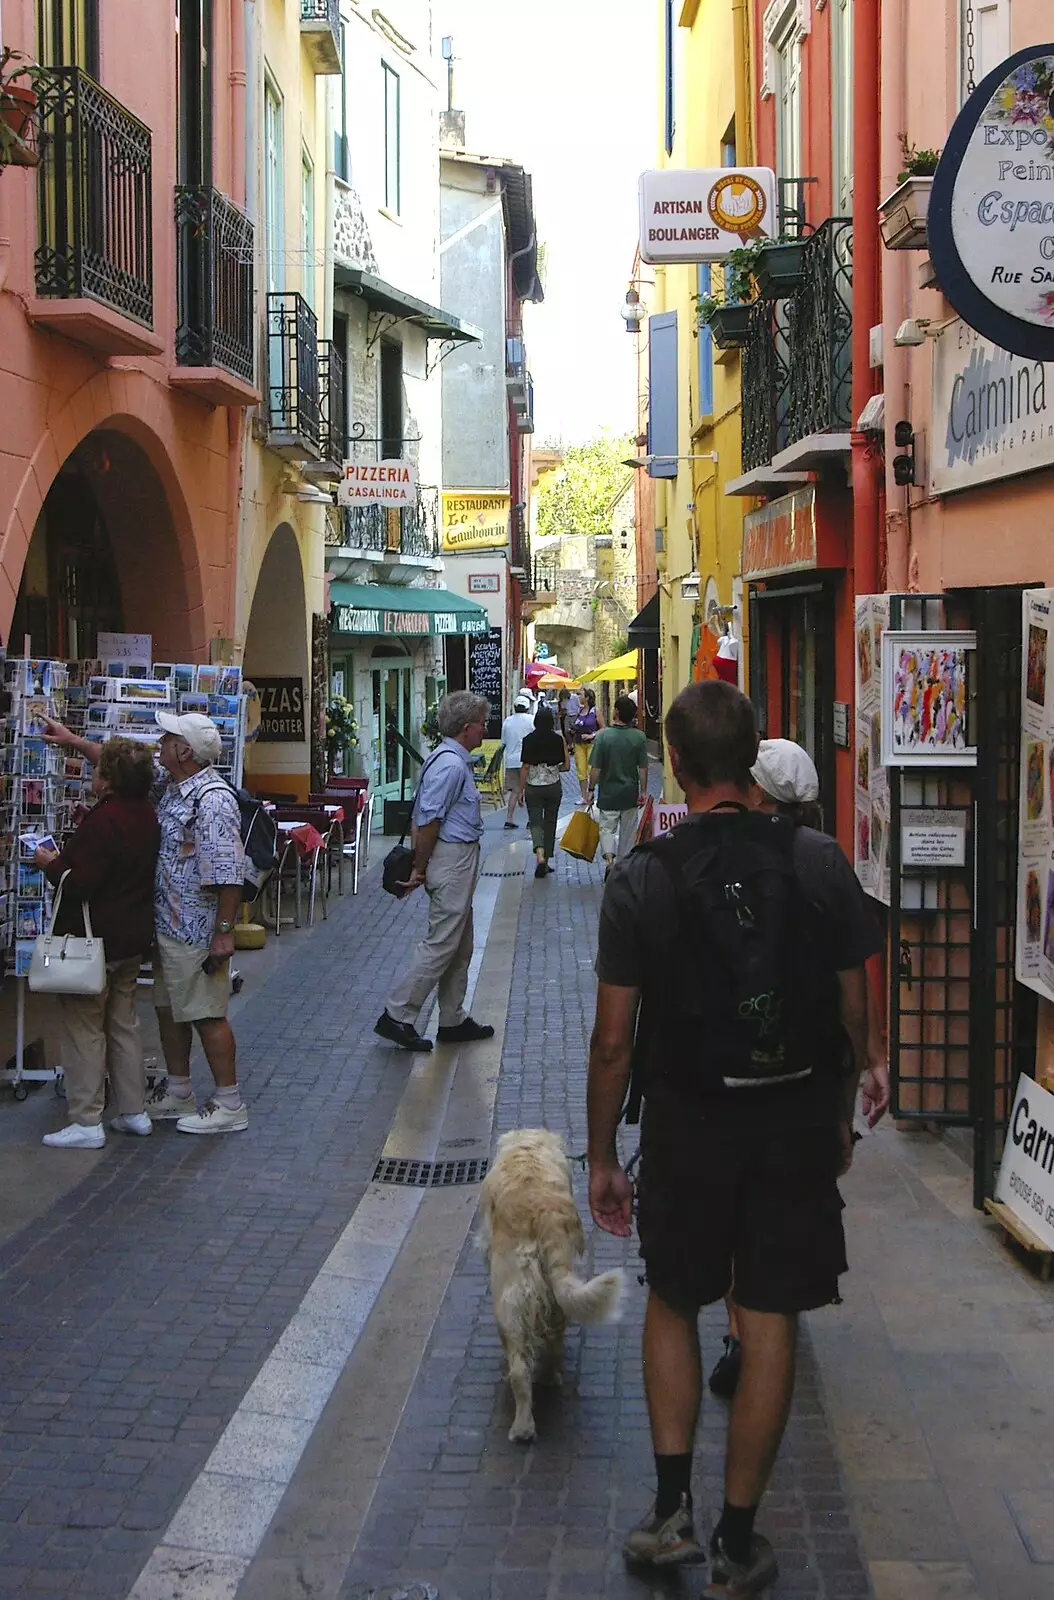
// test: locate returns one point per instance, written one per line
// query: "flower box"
(17, 105)
(780, 269)
(902, 217)
(730, 326)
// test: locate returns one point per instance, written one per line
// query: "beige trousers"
(444, 954)
(99, 1034)
(617, 830)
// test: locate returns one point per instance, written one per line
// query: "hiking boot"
(730, 1580)
(466, 1032)
(214, 1118)
(725, 1377)
(665, 1541)
(404, 1034)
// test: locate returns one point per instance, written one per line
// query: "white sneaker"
(132, 1122)
(75, 1136)
(214, 1118)
(165, 1107)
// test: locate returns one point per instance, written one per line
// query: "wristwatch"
(224, 927)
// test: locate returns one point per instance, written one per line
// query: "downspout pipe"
(742, 82)
(866, 466)
(237, 101)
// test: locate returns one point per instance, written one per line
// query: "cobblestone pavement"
(134, 1316)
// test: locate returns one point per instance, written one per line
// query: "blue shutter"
(662, 393)
(669, 107)
(706, 351)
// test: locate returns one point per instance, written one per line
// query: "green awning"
(376, 608)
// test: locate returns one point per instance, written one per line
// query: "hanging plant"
(19, 78)
(917, 163)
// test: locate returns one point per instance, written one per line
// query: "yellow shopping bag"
(581, 836)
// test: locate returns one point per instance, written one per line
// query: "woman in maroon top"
(110, 861)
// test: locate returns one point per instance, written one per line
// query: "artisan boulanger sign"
(990, 222)
(992, 413)
(362, 619)
(474, 521)
(704, 213)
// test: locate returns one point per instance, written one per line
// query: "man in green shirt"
(619, 769)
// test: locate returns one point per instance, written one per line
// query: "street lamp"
(637, 462)
(633, 312)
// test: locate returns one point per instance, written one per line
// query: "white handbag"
(64, 963)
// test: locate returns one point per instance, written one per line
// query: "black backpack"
(747, 994)
(259, 837)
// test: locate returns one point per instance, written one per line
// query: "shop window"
(662, 394)
(393, 177)
(69, 588)
(391, 400)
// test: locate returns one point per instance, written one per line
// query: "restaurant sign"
(992, 413)
(704, 213)
(375, 620)
(781, 537)
(990, 220)
(382, 483)
(473, 521)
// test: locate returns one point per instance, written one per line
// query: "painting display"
(871, 834)
(926, 699)
(1035, 879)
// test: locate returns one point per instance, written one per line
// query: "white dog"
(531, 1232)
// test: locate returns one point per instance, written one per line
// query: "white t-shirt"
(514, 731)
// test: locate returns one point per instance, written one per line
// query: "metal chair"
(288, 867)
(488, 776)
(337, 790)
(322, 824)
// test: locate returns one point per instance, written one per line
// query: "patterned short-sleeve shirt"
(201, 851)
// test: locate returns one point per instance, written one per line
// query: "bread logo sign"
(737, 204)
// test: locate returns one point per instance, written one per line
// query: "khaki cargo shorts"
(182, 987)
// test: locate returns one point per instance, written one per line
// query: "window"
(307, 229)
(274, 188)
(662, 394)
(706, 349)
(68, 33)
(787, 53)
(194, 125)
(392, 162)
(391, 400)
(989, 22)
(341, 158)
(842, 84)
(669, 110)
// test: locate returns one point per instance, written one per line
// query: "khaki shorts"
(182, 987)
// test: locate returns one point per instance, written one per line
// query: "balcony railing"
(93, 198)
(797, 371)
(333, 404)
(543, 576)
(215, 300)
(393, 530)
(294, 412)
(320, 30)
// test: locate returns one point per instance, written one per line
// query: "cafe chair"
(310, 861)
(286, 875)
(488, 775)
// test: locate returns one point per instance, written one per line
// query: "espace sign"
(704, 213)
(1026, 1172)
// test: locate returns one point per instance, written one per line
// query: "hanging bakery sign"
(704, 213)
(990, 221)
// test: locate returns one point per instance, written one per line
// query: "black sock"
(734, 1531)
(675, 1482)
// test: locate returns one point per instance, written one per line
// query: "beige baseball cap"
(200, 732)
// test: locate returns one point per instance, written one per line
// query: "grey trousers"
(444, 954)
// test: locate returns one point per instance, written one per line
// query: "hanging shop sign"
(281, 710)
(781, 537)
(381, 483)
(991, 412)
(871, 783)
(704, 213)
(1026, 1172)
(474, 521)
(990, 220)
(1034, 954)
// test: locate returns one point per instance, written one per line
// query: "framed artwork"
(926, 711)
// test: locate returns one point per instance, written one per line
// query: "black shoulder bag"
(399, 862)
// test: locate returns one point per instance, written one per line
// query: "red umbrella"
(539, 669)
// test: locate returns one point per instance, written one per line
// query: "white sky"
(566, 88)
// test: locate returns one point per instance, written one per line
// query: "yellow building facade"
(704, 106)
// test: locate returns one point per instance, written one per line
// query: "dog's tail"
(599, 1300)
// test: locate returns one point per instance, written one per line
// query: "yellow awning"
(549, 680)
(620, 670)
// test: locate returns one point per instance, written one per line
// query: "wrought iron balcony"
(333, 406)
(395, 530)
(294, 411)
(543, 577)
(94, 214)
(797, 369)
(320, 31)
(215, 327)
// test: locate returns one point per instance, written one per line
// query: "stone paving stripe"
(188, 1575)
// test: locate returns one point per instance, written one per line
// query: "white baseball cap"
(522, 702)
(200, 732)
(786, 772)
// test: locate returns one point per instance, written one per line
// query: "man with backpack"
(731, 957)
(197, 896)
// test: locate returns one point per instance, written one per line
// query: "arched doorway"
(277, 661)
(104, 555)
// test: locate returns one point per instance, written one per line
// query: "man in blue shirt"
(447, 825)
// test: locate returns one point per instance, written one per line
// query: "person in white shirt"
(514, 730)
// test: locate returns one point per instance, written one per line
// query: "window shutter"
(706, 350)
(662, 393)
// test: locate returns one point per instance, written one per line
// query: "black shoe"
(541, 870)
(466, 1032)
(725, 1376)
(404, 1034)
(514, 825)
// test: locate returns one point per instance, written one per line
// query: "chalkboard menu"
(484, 675)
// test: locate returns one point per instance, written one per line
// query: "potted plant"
(341, 730)
(729, 322)
(903, 214)
(779, 268)
(18, 104)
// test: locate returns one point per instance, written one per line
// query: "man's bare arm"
(57, 733)
(853, 985)
(610, 1059)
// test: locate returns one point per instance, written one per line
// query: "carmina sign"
(990, 220)
(992, 412)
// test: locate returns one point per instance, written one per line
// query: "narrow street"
(239, 1367)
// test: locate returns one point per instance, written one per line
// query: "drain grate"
(514, 872)
(429, 1174)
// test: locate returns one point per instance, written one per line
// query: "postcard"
(230, 681)
(29, 919)
(183, 678)
(23, 957)
(194, 702)
(157, 690)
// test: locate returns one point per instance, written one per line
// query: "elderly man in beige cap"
(197, 893)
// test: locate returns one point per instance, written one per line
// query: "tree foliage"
(576, 498)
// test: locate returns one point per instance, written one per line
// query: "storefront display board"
(870, 778)
(1034, 960)
(667, 815)
(1026, 1172)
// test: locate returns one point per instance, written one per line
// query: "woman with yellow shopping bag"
(542, 759)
